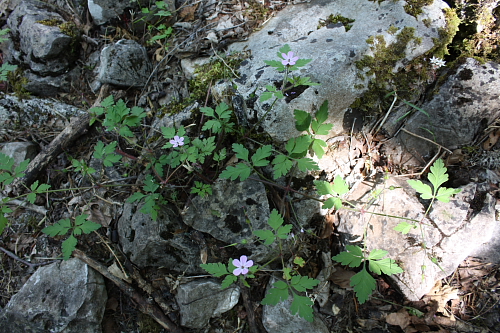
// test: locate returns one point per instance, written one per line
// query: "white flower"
(437, 62)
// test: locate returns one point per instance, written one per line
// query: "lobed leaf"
(322, 113)
(216, 269)
(387, 266)
(59, 228)
(284, 231)
(352, 257)
(259, 158)
(228, 280)
(302, 283)
(241, 170)
(306, 163)
(281, 165)
(68, 246)
(267, 236)
(317, 146)
(302, 120)
(404, 227)
(424, 189)
(444, 194)
(277, 294)
(303, 306)
(275, 219)
(438, 175)
(364, 285)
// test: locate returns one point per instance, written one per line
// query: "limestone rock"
(334, 51)
(451, 231)
(231, 213)
(20, 151)
(125, 63)
(278, 319)
(468, 99)
(203, 299)
(67, 297)
(104, 10)
(157, 243)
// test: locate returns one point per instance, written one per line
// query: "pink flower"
(177, 141)
(242, 265)
(289, 59)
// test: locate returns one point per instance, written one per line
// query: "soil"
(466, 301)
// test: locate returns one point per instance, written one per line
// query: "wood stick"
(77, 127)
(146, 307)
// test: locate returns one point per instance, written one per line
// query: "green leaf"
(68, 246)
(324, 187)
(322, 113)
(281, 165)
(135, 197)
(241, 170)
(284, 231)
(265, 235)
(424, 189)
(276, 64)
(302, 283)
(228, 280)
(299, 261)
(31, 197)
(377, 254)
(444, 194)
(364, 285)
(259, 158)
(88, 226)
(216, 269)
(275, 219)
(340, 186)
(352, 257)
(223, 111)
(300, 63)
(3, 223)
(284, 49)
(404, 227)
(303, 306)
(59, 228)
(266, 96)
(318, 145)
(298, 145)
(333, 202)
(387, 266)
(277, 294)
(168, 132)
(149, 184)
(306, 163)
(323, 129)
(302, 120)
(241, 151)
(438, 174)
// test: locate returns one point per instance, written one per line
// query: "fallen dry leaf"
(491, 140)
(342, 277)
(441, 295)
(187, 13)
(329, 226)
(400, 318)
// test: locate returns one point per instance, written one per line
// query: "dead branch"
(145, 306)
(77, 127)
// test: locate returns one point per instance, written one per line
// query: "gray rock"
(451, 231)
(231, 213)
(34, 112)
(125, 63)
(20, 151)
(157, 243)
(48, 85)
(466, 101)
(204, 299)
(63, 297)
(40, 44)
(278, 319)
(334, 52)
(104, 10)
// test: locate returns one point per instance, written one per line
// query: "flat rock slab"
(451, 232)
(334, 52)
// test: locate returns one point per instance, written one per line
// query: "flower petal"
(244, 271)
(249, 264)
(243, 260)
(237, 263)
(238, 271)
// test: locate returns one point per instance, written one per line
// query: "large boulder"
(336, 50)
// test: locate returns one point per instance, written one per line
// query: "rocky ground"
(71, 57)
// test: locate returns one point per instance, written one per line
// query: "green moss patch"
(334, 19)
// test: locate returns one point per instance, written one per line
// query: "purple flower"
(177, 141)
(289, 59)
(242, 265)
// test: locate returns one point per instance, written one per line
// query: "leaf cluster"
(279, 230)
(9, 171)
(300, 304)
(335, 190)
(65, 226)
(279, 65)
(220, 122)
(363, 283)
(152, 200)
(118, 117)
(106, 153)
